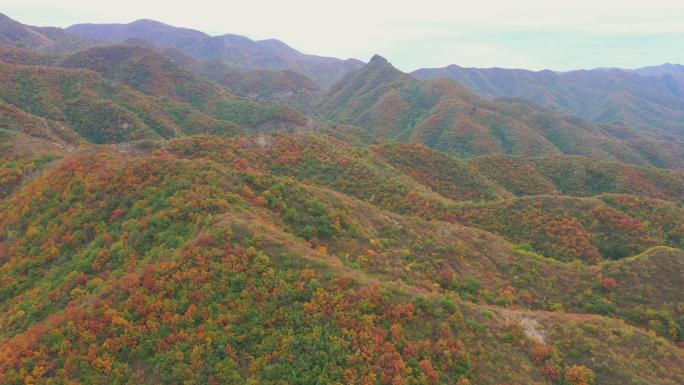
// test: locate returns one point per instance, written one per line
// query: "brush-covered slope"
(569, 228)
(11, 54)
(577, 176)
(154, 74)
(146, 71)
(167, 101)
(97, 110)
(272, 85)
(183, 266)
(237, 51)
(564, 227)
(447, 175)
(285, 85)
(22, 157)
(446, 116)
(653, 104)
(16, 120)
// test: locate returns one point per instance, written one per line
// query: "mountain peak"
(379, 64)
(377, 69)
(146, 21)
(377, 59)
(377, 73)
(151, 23)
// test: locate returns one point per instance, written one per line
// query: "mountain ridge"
(50, 39)
(604, 96)
(449, 117)
(238, 51)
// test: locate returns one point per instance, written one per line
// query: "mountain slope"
(653, 104)
(64, 101)
(11, 54)
(237, 51)
(153, 74)
(171, 269)
(273, 85)
(564, 175)
(562, 227)
(285, 85)
(445, 116)
(146, 71)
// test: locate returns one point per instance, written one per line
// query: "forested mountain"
(261, 84)
(448, 117)
(201, 84)
(115, 94)
(167, 219)
(260, 239)
(648, 99)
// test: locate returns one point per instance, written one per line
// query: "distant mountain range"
(628, 116)
(626, 102)
(650, 99)
(47, 39)
(237, 51)
(674, 70)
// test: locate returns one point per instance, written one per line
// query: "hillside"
(283, 85)
(650, 100)
(446, 116)
(101, 111)
(152, 73)
(147, 71)
(272, 85)
(564, 175)
(237, 51)
(12, 54)
(590, 229)
(195, 269)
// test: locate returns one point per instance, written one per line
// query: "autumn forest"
(179, 208)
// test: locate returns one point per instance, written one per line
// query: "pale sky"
(534, 34)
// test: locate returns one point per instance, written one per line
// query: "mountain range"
(444, 115)
(237, 51)
(182, 208)
(650, 99)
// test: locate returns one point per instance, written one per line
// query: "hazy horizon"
(530, 34)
